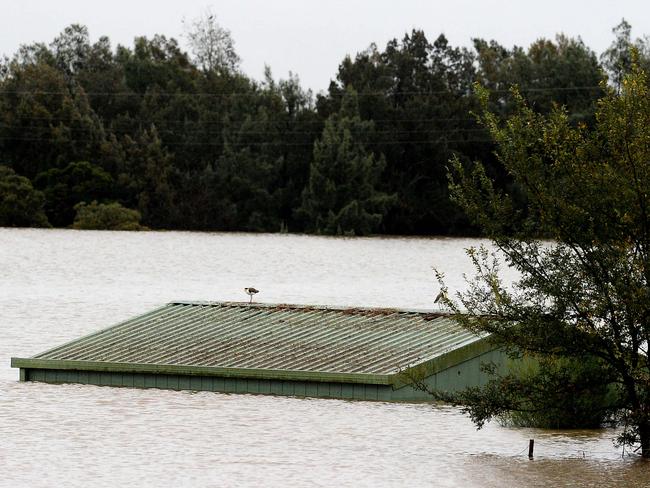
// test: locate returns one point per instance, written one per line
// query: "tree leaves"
(583, 293)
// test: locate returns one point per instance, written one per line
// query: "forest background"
(188, 141)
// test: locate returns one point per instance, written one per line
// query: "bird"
(440, 296)
(250, 291)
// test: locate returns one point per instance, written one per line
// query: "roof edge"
(263, 374)
(102, 330)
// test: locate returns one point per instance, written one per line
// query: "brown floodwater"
(56, 285)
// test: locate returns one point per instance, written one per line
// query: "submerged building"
(328, 352)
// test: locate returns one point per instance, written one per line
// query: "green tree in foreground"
(106, 216)
(20, 204)
(581, 244)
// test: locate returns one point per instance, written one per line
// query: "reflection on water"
(57, 285)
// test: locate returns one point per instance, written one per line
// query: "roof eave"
(189, 370)
(443, 361)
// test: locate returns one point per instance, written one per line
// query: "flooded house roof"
(241, 341)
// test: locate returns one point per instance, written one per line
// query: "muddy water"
(56, 285)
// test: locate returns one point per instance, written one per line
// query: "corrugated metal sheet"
(272, 337)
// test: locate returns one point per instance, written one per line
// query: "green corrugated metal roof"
(267, 341)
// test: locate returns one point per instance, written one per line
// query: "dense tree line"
(190, 142)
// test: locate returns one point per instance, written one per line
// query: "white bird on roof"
(250, 291)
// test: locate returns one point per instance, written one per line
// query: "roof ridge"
(428, 314)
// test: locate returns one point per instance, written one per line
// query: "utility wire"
(270, 143)
(186, 121)
(243, 132)
(253, 93)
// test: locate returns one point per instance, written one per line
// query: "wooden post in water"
(531, 447)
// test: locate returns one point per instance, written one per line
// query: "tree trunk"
(644, 438)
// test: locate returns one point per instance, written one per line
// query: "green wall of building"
(457, 377)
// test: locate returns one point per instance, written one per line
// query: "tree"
(341, 196)
(417, 94)
(106, 216)
(298, 127)
(71, 49)
(581, 244)
(617, 58)
(211, 44)
(144, 175)
(103, 79)
(564, 72)
(43, 123)
(20, 204)
(64, 188)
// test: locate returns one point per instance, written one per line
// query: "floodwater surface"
(56, 285)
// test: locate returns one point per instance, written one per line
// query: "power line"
(320, 121)
(253, 93)
(162, 130)
(269, 143)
